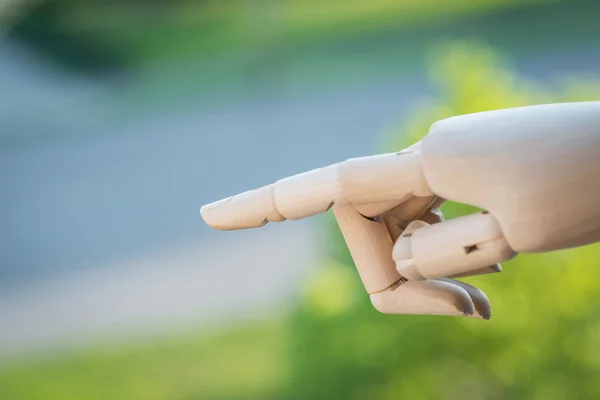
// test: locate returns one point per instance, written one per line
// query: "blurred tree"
(543, 341)
(96, 35)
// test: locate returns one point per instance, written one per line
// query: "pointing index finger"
(385, 180)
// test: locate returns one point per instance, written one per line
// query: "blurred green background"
(325, 341)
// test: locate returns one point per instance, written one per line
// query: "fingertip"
(483, 308)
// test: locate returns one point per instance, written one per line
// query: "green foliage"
(543, 340)
(242, 363)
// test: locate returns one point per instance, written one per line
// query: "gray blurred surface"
(101, 231)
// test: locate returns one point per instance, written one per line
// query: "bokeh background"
(118, 119)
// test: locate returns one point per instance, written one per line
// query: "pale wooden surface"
(251, 209)
(424, 297)
(455, 247)
(536, 169)
(373, 184)
(370, 246)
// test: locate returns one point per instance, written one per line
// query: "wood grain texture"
(458, 246)
(370, 246)
(385, 177)
(250, 209)
(430, 297)
(536, 169)
(373, 184)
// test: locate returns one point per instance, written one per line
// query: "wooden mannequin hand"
(535, 170)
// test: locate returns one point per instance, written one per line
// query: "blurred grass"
(243, 363)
